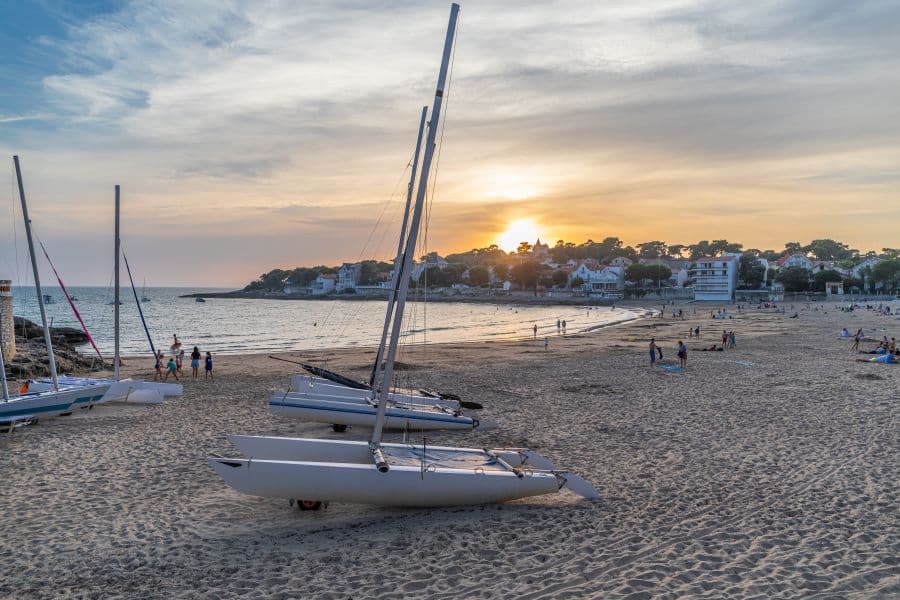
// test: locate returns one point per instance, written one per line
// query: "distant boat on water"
(48, 299)
(198, 299)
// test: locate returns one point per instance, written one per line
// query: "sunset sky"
(252, 135)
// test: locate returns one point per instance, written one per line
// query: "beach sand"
(768, 471)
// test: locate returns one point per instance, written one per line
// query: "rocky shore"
(31, 356)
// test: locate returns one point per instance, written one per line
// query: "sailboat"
(118, 390)
(404, 411)
(374, 472)
(57, 399)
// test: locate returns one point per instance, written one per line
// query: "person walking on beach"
(682, 355)
(195, 363)
(724, 339)
(564, 326)
(171, 369)
(697, 332)
(558, 325)
(653, 348)
(535, 331)
(158, 367)
(856, 339)
(209, 374)
(731, 339)
(176, 345)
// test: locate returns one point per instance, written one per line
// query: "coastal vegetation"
(649, 264)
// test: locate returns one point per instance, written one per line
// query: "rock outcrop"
(31, 358)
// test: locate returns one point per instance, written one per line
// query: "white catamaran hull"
(362, 414)
(38, 405)
(344, 471)
(316, 385)
(124, 390)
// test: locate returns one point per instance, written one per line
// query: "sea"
(243, 325)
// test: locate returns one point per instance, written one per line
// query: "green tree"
(829, 250)
(560, 278)
(677, 249)
(577, 282)
(524, 248)
(653, 249)
(794, 279)
(887, 273)
(823, 277)
(635, 273)
(525, 274)
(478, 276)
(791, 248)
(751, 274)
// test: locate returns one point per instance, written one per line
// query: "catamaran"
(374, 472)
(57, 399)
(118, 390)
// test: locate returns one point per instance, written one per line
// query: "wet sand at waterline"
(767, 471)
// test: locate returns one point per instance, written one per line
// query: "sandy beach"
(766, 471)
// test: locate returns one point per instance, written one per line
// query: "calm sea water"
(234, 326)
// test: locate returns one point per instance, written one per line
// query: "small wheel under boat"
(309, 504)
(339, 428)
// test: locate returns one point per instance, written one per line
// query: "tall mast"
(398, 261)
(383, 391)
(37, 277)
(3, 370)
(116, 299)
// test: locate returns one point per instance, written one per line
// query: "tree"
(653, 249)
(794, 279)
(501, 271)
(791, 248)
(823, 277)
(887, 272)
(577, 282)
(658, 273)
(525, 274)
(829, 250)
(699, 249)
(560, 278)
(478, 276)
(751, 274)
(677, 249)
(524, 248)
(636, 273)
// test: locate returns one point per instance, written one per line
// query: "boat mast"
(383, 390)
(398, 261)
(116, 243)
(3, 371)
(37, 277)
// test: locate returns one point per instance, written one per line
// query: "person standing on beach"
(195, 363)
(535, 331)
(171, 369)
(209, 374)
(697, 331)
(724, 339)
(652, 351)
(731, 339)
(558, 325)
(682, 355)
(179, 359)
(176, 345)
(856, 339)
(158, 367)
(564, 326)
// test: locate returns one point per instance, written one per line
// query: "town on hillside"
(609, 270)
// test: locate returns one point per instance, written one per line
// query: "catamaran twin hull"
(37, 405)
(360, 412)
(124, 390)
(344, 471)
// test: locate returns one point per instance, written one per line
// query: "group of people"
(176, 360)
(657, 349)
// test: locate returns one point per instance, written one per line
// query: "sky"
(253, 135)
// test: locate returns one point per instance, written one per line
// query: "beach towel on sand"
(671, 368)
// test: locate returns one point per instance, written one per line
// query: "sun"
(520, 230)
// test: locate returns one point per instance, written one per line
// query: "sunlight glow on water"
(234, 326)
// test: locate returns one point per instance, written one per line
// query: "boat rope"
(140, 310)
(65, 292)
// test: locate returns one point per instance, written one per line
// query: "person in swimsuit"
(195, 363)
(158, 367)
(652, 351)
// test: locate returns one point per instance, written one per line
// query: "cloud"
(268, 117)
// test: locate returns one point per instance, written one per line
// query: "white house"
(857, 270)
(621, 261)
(290, 287)
(348, 276)
(795, 260)
(323, 284)
(600, 282)
(715, 277)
